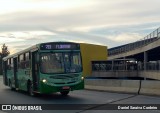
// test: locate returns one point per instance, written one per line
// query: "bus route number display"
(59, 46)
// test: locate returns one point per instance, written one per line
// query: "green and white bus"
(45, 68)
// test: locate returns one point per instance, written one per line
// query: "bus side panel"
(21, 72)
(22, 80)
(23, 75)
(10, 76)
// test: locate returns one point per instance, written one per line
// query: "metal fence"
(149, 66)
(128, 47)
(105, 66)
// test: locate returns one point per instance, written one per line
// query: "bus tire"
(64, 93)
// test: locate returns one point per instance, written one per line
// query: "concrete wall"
(149, 74)
(144, 74)
(149, 87)
(126, 86)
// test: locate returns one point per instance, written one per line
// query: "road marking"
(111, 102)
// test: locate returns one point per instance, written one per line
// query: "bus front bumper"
(48, 89)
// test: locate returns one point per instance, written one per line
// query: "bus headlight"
(82, 78)
(44, 80)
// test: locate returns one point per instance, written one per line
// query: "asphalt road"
(100, 99)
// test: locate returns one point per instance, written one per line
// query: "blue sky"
(24, 23)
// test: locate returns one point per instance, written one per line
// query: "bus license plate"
(66, 87)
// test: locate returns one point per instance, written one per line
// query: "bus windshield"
(65, 62)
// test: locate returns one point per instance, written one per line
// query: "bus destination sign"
(59, 46)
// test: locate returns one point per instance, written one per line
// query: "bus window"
(76, 59)
(21, 58)
(9, 64)
(27, 60)
(76, 62)
(21, 64)
(52, 63)
(72, 62)
(27, 56)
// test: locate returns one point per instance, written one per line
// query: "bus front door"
(34, 71)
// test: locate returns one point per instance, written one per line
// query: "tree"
(3, 54)
(5, 51)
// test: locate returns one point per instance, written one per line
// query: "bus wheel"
(30, 89)
(64, 93)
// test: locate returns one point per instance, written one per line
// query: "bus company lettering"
(63, 46)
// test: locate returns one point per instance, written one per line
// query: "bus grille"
(63, 76)
(72, 79)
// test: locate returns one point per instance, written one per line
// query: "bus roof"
(37, 46)
(32, 49)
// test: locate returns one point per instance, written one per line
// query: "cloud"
(126, 37)
(94, 14)
(112, 23)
